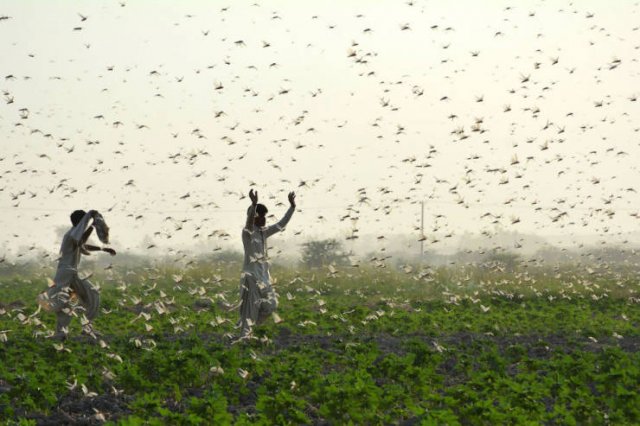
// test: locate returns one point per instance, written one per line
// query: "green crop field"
(408, 345)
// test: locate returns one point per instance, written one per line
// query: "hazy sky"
(499, 114)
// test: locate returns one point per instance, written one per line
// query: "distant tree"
(506, 260)
(319, 253)
(230, 256)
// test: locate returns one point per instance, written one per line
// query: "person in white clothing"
(258, 298)
(66, 281)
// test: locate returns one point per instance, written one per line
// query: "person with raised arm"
(258, 298)
(66, 282)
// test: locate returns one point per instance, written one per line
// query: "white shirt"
(254, 240)
(70, 252)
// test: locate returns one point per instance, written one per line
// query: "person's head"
(261, 215)
(77, 216)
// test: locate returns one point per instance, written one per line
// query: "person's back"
(67, 281)
(69, 258)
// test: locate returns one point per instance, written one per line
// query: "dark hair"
(77, 216)
(262, 210)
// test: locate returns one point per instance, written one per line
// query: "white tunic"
(70, 253)
(66, 279)
(254, 240)
(258, 299)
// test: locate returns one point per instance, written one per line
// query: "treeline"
(322, 253)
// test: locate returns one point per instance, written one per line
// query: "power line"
(193, 210)
(200, 210)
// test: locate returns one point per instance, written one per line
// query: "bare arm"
(78, 231)
(251, 213)
(282, 223)
(86, 235)
(89, 247)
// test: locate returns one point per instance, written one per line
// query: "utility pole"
(421, 230)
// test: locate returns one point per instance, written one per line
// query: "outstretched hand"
(111, 251)
(253, 195)
(292, 199)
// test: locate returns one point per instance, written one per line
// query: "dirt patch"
(76, 409)
(536, 345)
(286, 340)
(543, 346)
(16, 304)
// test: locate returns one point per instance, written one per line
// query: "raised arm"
(89, 248)
(282, 223)
(77, 233)
(251, 213)
(86, 235)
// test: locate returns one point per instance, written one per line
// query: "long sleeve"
(270, 230)
(78, 230)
